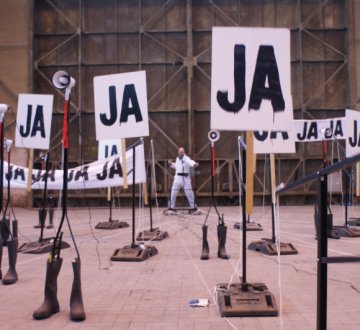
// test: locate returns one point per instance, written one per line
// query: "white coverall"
(182, 180)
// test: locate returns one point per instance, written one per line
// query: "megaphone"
(8, 143)
(214, 135)
(61, 79)
(3, 107)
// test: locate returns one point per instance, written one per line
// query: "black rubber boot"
(5, 230)
(11, 276)
(77, 312)
(221, 231)
(50, 305)
(316, 222)
(42, 218)
(331, 232)
(205, 244)
(1, 251)
(51, 218)
(15, 229)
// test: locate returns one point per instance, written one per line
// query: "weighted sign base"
(112, 224)
(250, 226)
(245, 299)
(347, 231)
(266, 246)
(354, 222)
(37, 247)
(152, 235)
(134, 253)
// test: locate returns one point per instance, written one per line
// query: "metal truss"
(303, 27)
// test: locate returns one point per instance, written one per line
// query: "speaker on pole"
(61, 79)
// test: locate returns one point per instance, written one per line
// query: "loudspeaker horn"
(61, 79)
(3, 107)
(214, 135)
(8, 143)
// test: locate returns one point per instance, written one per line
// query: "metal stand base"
(354, 222)
(44, 246)
(266, 246)
(134, 253)
(112, 224)
(347, 231)
(186, 210)
(245, 300)
(152, 235)
(250, 226)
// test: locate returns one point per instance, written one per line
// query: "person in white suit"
(182, 178)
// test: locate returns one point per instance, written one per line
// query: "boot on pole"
(221, 231)
(205, 244)
(50, 305)
(11, 276)
(77, 312)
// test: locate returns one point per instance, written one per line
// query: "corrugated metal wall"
(171, 40)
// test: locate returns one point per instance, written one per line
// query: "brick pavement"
(154, 294)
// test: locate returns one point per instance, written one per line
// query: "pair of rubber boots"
(221, 233)
(11, 276)
(331, 232)
(42, 218)
(50, 305)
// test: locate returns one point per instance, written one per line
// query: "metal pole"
(322, 253)
(133, 200)
(243, 203)
(110, 205)
(347, 193)
(150, 207)
(43, 206)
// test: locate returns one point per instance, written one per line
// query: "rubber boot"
(42, 218)
(205, 244)
(316, 222)
(77, 312)
(15, 231)
(221, 231)
(331, 232)
(51, 218)
(1, 251)
(11, 276)
(5, 230)
(50, 305)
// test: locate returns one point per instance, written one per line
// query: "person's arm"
(190, 162)
(171, 164)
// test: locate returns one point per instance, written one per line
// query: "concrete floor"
(155, 293)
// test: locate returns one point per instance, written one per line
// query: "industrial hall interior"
(180, 164)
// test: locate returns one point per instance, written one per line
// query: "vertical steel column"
(190, 69)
